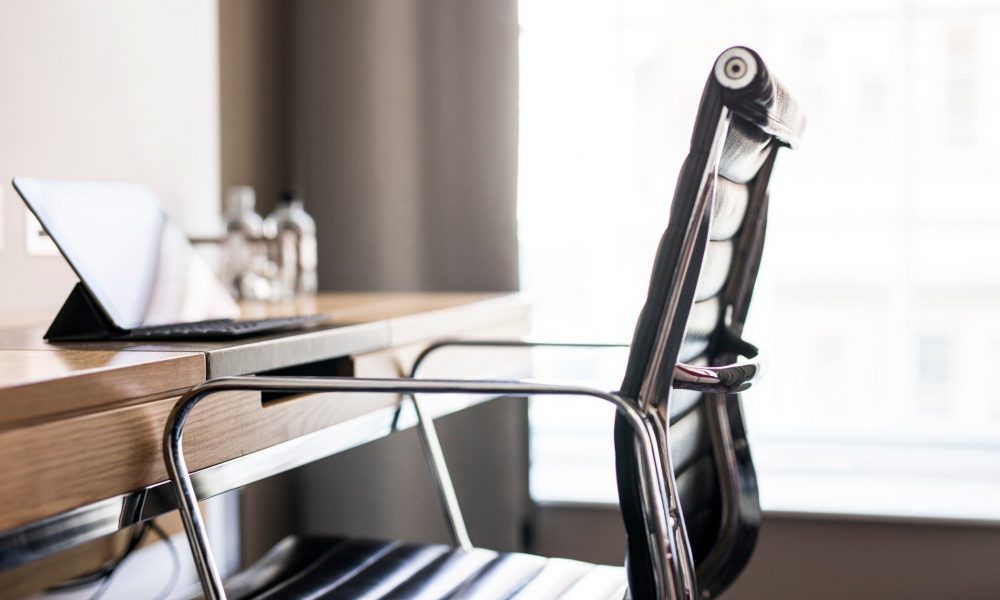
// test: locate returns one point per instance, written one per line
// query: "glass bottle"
(243, 250)
(293, 247)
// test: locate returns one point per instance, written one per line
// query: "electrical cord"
(101, 589)
(132, 546)
(105, 572)
(175, 560)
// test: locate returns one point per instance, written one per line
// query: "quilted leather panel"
(599, 582)
(337, 568)
(699, 491)
(714, 270)
(450, 575)
(688, 440)
(684, 401)
(745, 150)
(730, 206)
(564, 579)
(704, 317)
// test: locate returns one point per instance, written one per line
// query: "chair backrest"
(699, 292)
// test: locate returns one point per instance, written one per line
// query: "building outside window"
(878, 297)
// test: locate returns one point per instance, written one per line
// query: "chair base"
(330, 567)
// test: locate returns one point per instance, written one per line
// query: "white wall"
(112, 90)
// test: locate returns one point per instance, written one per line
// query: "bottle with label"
(293, 247)
(244, 263)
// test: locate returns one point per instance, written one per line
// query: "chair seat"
(330, 567)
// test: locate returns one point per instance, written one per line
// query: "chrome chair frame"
(735, 70)
(663, 530)
(665, 553)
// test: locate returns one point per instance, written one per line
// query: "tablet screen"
(135, 262)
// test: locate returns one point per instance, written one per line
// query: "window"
(883, 255)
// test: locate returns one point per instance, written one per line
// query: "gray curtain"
(403, 139)
(406, 141)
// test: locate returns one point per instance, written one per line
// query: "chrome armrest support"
(485, 343)
(665, 556)
(726, 379)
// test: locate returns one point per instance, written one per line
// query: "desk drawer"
(53, 467)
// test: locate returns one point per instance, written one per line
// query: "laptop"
(136, 268)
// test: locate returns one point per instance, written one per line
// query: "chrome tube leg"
(187, 501)
(442, 478)
(659, 522)
(683, 559)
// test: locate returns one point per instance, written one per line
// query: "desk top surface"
(38, 378)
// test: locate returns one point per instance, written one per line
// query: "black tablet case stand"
(80, 319)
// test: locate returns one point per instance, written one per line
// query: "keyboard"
(223, 328)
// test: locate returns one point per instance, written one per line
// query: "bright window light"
(878, 301)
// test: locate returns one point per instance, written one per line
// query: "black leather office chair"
(685, 479)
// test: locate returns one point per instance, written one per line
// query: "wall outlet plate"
(36, 241)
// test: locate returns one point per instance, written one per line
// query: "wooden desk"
(81, 423)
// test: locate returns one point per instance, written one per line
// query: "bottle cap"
(289, 195)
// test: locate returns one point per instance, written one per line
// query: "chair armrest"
(726, 379)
